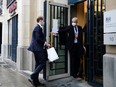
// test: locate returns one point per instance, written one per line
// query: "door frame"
(47, 25)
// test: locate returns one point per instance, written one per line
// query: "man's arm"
(38, 37)
(65, 30)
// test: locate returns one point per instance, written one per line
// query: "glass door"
(57, 16)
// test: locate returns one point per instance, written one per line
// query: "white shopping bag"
(52, 54)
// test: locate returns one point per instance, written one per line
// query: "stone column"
(4, 46)
(109, 68)
(28, 11)
(109, 59)
(24, 57)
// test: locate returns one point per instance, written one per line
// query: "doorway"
(79, 10)
(90, 16)
(0, 36)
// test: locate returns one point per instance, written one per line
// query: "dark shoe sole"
(32, 82)
(41, 84)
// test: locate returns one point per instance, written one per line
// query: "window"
(12, 38)
(9, 2)
(1, 3)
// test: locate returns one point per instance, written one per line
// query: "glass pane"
(60, 65)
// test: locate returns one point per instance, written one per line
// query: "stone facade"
(27, 11)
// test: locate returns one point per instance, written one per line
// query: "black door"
(59, 13)
(96, 49)
(0, 36)
(59, 42)
(14, 38)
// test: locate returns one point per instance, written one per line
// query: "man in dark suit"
(75, 46)
(38, 47)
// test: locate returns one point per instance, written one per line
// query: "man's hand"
(76, 36)
(47, 44)
(54, 34)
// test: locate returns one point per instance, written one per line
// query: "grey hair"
(75, 19)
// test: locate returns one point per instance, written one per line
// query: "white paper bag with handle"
(52, 54)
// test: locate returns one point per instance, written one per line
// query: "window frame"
(1, 4)
(10, 2)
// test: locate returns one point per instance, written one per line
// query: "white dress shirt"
(76, 33)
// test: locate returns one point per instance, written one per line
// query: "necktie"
(75, 28)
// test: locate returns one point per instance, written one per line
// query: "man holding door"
(74, 45)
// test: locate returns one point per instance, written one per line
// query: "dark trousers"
(74, 60)
(40, 64)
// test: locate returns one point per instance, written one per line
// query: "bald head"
(74, 20)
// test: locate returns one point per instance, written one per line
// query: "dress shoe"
(80, 75)
(32, 82)
(40, 84)
(75, 76)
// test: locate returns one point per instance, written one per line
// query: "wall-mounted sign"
(12, 7)
(110, 21)
(110, 39)
(110, 27)
(55, 25)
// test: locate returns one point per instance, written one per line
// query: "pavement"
(12, 78)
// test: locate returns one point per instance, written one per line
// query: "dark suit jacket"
(71, 37)
(38, 39)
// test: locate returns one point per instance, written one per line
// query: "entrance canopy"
(74, 1)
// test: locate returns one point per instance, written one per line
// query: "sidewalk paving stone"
(11, 78)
